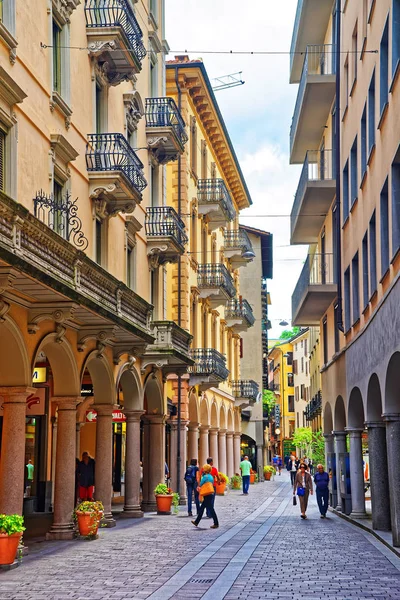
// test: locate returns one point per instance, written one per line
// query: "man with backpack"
(192, 485)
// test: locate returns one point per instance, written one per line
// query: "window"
(290, 379)
(364, 143)
(345, 191)
(56, 57)
(203, 159)
(347, 315)
(384, 69)
(289, 359)
(296, 393)
(153, 76)
(294, 368)
(99, 241)
(354, 172)
(396, 206)
(59, 224)
(302, 395)
(305, 347)
(130, 266)
(384, 220)
(193, 146)
(154, 8)
(336, 316)
(297, 417)
(355, 288)
(354, 55)
(372, 255)
(306, 367)
(2, 161)
(325, 335)
(290, 403)
(302, 364)
(346, 84)
(365, 270)
(371, 114)
(395, 36)
(154, 178)
(193, 233)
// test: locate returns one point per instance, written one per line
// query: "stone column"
(64, 487)
(78, 440)
(53, 458)
(12, 464)
(193, 441)
(173, 467)
(132, 465)
(213, 445)
(329, 449)
(229, 454)
(153, 459)
(378, 475)
(340, 448)
(329, 445)
(222, 450)
(236, 452)
(393, 453)
(104, 455)
(356, 474)
(204, 452)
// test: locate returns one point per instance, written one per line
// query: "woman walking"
(207, 499)
(304, 487)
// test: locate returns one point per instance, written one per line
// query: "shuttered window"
(2, 160)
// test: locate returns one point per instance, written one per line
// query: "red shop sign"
(117, 416)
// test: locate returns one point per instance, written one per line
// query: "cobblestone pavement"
(261, 550)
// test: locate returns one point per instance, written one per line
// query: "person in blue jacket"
(207, 500)
(321, 480)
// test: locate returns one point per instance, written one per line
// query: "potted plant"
(223, 480)
(164, 496)
(11, 530)
(268, 472)
(175, 502)
(252, 476)
(236, 482)
(88, 514)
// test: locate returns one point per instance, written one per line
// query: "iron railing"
(212, 191)
(238, 308)
(318, 270)
(116, 13)
(112, 152)
(163, 221)
(319, 60)
(237, 238)
(208, 361)
(163, 112)
(216, 275)
(245, 388)
(314, 407)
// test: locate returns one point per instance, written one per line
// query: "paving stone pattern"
(261, 550)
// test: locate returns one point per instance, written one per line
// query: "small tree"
(302, 439)
(269, 401)
(318, 448)
(289, 333)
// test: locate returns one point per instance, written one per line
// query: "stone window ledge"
(10, 41)
(57, 102)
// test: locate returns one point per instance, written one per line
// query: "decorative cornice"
(9, 90)
(63, 9)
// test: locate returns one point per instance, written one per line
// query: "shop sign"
(117, 416)
(35, 403)
(87, 389)
(39, 375)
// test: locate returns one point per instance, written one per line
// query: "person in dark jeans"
(321, 479)
(207, 500)
(192, 486)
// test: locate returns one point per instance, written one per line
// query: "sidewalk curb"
(367, 529)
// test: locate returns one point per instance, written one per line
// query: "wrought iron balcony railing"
(212, 191)
(208, 361)
(163, 221)
(245, 388)
(238, 308)
(163, 112)
(216, 275)
(116, 13)
(319, 60)
(237, 238)
(314, 407)
(112, 152)
(317, 270)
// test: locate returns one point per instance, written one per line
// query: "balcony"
(209, 368)
(215, 283)
(314, 196)
(166, 237)
(310, 26)
(215, 201)
(114, 39)
(315, 290)
(245, 392)
(314, 407)
(314, 101)
(239, 315)
(165, 129)
(238, 248)
(170, 350)
(115, 172)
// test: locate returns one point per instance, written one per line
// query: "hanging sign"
(117, 416)
(39, 375)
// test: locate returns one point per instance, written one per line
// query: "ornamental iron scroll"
(59, 213)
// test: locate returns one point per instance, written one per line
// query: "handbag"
(294, 501)
(301, 491)
(206, 489)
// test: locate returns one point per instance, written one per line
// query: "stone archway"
(339, 420)
(391, 410)
(339, 425)
(328, 419)
(355, 429)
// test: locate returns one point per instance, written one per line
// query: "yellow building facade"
(281, 382)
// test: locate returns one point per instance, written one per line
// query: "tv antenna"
(227, 81)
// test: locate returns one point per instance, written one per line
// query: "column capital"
(236, 435)
(339, 434)
(155, 419)
(222, 432)
(16, 394)
(133, 416)
(192, 426)
(375, 424)
(104, 410)
(229, 434)
(354, 431)
(214, 430)
(66, 402)
(390, 417)
(204, 428)
(174, 424)
(328, 436)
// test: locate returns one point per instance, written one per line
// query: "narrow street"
(261, 550)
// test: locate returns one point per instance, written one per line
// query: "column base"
(131, 512)
(61, 532)
(149, 506)
(358, 515)
(108, 521)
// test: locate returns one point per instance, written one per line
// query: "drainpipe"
(338, 174)
(178, 449)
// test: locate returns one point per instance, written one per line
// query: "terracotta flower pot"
(267, 476)
(220, 488)
(164, 502)
(88, 523)
(252, 477)
(8, 547)
(237, 485)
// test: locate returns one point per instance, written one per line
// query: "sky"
(257, 114)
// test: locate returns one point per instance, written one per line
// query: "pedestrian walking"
(321, 480)
(293, 467)
(279, 465)
(245, 468)
(191, 486)
(207, 495)
(275, 460)
(303, 486)
(311, 466)
(85, 473)
(214, 473)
